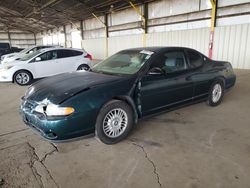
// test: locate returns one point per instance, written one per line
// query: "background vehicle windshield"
(29, 56)
(125, 62)
(26, 50)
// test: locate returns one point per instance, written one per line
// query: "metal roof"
(40, 15)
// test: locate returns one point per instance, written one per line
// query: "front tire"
(22, 78)
(83, 67)
(216, 93)
(114, 122)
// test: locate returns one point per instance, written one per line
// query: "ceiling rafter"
(41, 15)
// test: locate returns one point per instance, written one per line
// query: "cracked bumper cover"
(59, 129)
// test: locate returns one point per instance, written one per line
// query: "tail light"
(89, 57)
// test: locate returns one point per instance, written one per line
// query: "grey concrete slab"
(195, 146)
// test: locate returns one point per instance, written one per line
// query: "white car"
(15, 56)
(44, 63)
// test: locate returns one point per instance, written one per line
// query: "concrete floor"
(196, 146)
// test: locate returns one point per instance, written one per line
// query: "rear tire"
(114, 122)
(22, 78)
(83, 67)
(216, 93)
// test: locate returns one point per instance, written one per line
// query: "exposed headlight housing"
(54, 110)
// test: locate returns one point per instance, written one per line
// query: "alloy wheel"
(115, 123)
(216, 93)
(22, 78)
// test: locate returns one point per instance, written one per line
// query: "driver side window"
(172, 61)
(48, 55)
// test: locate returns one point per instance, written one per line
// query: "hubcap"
(115, 123)
(22, 78)
(217, 91)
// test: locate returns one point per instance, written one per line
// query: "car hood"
(13, 63)
(11, 54)
(59, 88)
(14, 57)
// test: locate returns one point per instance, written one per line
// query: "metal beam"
(213, 25)
(65, 36)
(50, 3)
(35, 38)
(105, 24)
(144, 20)
(81, 28)
(9, 38)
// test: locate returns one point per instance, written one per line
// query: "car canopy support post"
(213, 24)
(65, 36)
(144, 19)
(9, 38)
(34, 37)
(82, 34)
(105, 23)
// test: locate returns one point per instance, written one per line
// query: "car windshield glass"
(125, 62)
(29, 56)
(26, 50)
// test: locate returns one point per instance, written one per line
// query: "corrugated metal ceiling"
(39, 15)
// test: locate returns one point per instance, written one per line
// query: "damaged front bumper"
(53, 129)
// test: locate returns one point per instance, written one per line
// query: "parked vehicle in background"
(110, 98)
(43, 63)
(15, 56)
(5, 48)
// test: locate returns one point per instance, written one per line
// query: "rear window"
(68, 53)
(195, 59)
(76, 53)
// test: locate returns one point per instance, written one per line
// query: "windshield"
(125, 62)
(29, 56)
(26, 50)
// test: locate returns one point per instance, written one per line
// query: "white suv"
(44, 63)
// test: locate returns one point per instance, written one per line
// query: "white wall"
(232, 43)
(18, 38)
(193, 38)
(96, 47)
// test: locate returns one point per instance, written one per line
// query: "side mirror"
(31, 51)
(156, 71)
(38, 59)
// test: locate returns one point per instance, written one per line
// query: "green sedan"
(109, 99)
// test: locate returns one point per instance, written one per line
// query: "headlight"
(8, 67)
(54, 110)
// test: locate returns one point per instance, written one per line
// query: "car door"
(159, 91)
(200, 77)
(46, 64)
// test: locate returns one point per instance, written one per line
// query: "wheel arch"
(220, 79)
(130, 102)
(19, 71)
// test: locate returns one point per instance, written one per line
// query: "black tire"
(22, 78)
(211, 99)
(103, 115)
(83, 67)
